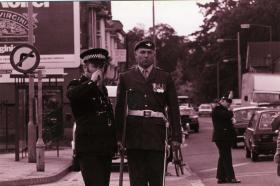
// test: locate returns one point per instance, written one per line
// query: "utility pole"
(239, 65)
(154, 34)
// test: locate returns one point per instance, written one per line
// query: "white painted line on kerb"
(196, 183)
(214, 169)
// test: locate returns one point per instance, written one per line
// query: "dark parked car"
(259, 137)
(241, 118)
(189, 118)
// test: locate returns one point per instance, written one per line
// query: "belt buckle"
(147, 113)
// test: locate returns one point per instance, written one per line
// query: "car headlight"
(194, 117)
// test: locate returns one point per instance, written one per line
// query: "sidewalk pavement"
(21, 173)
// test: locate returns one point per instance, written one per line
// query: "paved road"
(201, 155)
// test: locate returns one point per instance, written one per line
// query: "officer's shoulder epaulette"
(158, 68)
(131, 69)
(74, 82)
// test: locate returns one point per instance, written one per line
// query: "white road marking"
(214, 169)
(196, 183)
(250, 174)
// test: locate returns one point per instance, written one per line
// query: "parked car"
(205, 109)
(241, 118)
(259, 137)
(189, 118)
(184, 100)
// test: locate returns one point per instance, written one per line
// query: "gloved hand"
(277, 158)
(96, 76)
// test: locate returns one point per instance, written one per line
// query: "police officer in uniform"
(95, 136)
(224, 138)
(149, 90)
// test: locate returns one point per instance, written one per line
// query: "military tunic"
(145, 136)
(154, 93)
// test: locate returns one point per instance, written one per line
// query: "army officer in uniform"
(95, 130)
(149, 90)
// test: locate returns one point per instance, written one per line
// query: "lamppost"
(217, 76)
(247, 26)
(239, 75)
(218, 73)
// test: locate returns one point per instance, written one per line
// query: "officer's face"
(144, 57)
(225, 103)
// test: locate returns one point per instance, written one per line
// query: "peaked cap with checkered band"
(94, 55)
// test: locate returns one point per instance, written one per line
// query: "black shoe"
(221, 181)
(234, 180)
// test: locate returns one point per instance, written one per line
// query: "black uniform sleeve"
(173, 111)
(77, 91)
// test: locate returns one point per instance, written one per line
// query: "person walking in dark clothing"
(149, 91)
(95, 135)
(224, 138)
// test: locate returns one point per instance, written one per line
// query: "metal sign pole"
(40, 146)
(31, 126)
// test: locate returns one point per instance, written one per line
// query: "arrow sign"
(25, 58)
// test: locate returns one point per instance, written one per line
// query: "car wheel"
(254, 156)
(196, 130)
(247, 152)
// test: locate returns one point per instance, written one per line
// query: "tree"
(222, 19)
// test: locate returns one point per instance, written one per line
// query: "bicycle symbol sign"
(25, 58)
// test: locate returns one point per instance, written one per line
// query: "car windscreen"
(205, 107)
(266, 120)
(243, 115)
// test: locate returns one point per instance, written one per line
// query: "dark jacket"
(91, 107)
(155, 93)
(222, 123)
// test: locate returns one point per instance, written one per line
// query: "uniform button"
(145, 95)
(146, 105)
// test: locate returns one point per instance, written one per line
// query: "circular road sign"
(25, 58)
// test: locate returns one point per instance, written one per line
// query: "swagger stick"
(165, 150)
(122, 150)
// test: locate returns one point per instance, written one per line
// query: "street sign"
(120, 55)
(25, 58)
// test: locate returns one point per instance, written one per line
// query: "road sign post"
(31, 125)
(40, 146)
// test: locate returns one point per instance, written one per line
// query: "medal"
(158, 87)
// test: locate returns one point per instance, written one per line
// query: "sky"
(184, 16)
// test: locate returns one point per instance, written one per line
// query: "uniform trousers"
(95, 169)
(145, 167)
(225, 168)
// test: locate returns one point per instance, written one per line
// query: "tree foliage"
(194, 61)
(222, 19)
